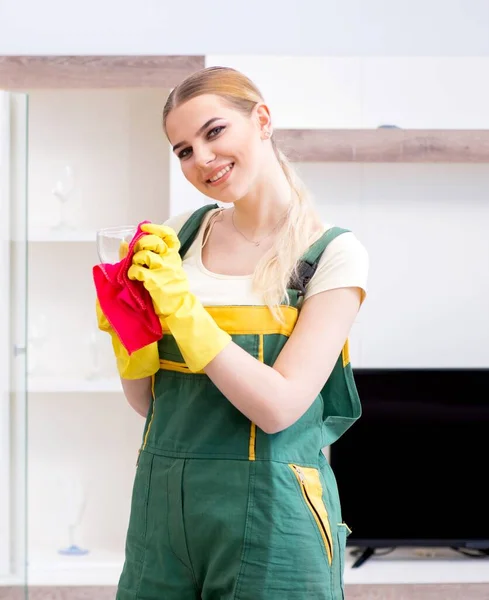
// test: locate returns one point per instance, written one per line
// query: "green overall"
(220, 509)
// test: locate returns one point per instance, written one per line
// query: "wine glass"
(63, 190)
(113, 242)
(73, 500)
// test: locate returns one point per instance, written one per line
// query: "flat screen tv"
(414, 469)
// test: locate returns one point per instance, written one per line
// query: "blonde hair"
(302, 223)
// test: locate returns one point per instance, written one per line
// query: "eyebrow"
(201, 129)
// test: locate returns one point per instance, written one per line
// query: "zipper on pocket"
(312, 491)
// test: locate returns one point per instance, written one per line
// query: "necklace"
(255, 242)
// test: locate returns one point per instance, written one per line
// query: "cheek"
(253, 157)
(188, 171)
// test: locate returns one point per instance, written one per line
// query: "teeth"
(221, 173)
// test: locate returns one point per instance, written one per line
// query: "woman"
(233, 497)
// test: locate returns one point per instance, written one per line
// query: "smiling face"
(220, 148)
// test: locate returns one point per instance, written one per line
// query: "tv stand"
(364, 556)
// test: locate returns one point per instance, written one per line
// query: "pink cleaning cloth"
(126, 303)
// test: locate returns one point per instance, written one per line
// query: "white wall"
(311, 27)
(425, 228)
(365, 92)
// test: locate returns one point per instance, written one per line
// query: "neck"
(260, 210)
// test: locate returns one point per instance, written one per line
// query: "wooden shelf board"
(384, 145)
(26, 72)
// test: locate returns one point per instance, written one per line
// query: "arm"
(276, 397)
(138, 393)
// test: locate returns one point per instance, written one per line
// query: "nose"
(203, 155)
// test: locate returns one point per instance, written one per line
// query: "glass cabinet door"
(13, 309)
(72, 161)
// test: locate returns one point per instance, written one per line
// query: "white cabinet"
(105, 153)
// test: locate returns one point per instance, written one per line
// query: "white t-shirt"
(344, 263)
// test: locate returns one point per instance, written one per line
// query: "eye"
(216, 131)
(185, 153)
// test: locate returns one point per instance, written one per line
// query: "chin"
(227, 196)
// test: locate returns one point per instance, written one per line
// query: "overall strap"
(191, 227)
(310, 259)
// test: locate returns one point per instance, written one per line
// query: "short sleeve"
(344, 263)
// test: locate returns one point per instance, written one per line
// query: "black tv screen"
(413, 469)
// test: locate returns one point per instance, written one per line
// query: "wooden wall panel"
(384, 145)
(34, 72)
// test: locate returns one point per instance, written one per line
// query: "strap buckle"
(302, 277)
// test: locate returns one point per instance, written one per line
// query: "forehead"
(185, 120)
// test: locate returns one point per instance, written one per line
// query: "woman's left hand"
(157, 264)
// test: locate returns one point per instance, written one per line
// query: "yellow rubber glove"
(142, 363)
(157, 264)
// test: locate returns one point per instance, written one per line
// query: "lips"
(219, 172)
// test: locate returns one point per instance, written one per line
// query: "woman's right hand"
(157, 264)
(142, 363)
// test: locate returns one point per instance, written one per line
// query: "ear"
(263, 119)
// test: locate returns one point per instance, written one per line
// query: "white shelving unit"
(83, 438)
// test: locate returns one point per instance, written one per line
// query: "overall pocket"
(312, 492)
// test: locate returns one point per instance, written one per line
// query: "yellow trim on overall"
(260, 349)
(252, 448)
(345, 353)
(256, 320)
(180, 367)
(152, 414)
(252, 445)
(241, 320)
(312, 492)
